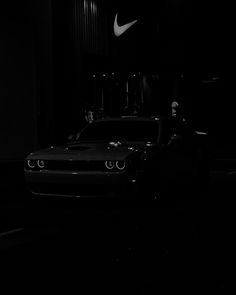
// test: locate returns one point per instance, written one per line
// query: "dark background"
(51, 49)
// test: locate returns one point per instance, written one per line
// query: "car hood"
(90, 151)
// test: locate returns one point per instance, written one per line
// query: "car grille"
(75, 165)
(70, 189)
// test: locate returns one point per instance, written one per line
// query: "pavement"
(186, 247)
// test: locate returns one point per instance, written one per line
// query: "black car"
(125, 157)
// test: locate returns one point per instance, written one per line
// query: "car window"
(120, 131)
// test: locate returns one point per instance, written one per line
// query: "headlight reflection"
(110, 165)
(115, 165)
(120, 165)
(31, 164)
(41, 164)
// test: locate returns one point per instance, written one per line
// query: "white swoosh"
(119, 30)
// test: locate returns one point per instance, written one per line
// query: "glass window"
(120, 131)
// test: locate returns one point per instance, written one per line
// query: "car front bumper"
(81, 184)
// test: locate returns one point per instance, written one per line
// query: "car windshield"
(120, 131)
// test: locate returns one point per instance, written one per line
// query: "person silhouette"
(174, 108)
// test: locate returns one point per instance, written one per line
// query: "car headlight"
(110, 165)
(31, 164)
(120, 165)
(41, 164)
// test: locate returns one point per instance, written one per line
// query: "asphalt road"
(180, 246)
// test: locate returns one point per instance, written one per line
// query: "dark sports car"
(121, 157)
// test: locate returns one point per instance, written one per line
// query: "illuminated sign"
(119, 30)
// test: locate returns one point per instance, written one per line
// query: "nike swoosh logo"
(119, 30)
